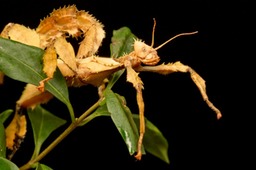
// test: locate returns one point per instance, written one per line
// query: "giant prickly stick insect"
(85, 67)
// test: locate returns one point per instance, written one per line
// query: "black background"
(219, 53)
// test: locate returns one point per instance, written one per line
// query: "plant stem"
(69, 129)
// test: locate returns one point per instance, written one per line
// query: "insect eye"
(144, 49)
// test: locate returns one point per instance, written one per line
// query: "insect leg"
(133, 78)
(179, 67)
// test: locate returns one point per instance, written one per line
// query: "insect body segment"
(84, 67)
(69, 21)
(145, 53)
(50, 35)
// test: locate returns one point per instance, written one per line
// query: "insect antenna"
(178, 35)
(153, 32)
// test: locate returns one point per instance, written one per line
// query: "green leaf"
(121, 43)
(5, 164)
(154, 141)
(2, 141)
(21, 62)
(123, 121)
(58, 87)
(43, 167)
(5, 114)
(24, 63)
(43, 124)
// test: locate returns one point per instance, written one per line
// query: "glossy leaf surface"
(2, 141)
(43, 167)
(154, 141)
(6, 164)
(123, 121)
(121, 43)
(3, 116)
(24, 63)
(43, 124)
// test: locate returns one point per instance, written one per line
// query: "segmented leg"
(179, 67)
(133, 78)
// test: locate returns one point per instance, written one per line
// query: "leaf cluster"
(24, 63)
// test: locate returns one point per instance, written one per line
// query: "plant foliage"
(24, 63)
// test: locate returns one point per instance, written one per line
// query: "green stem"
(69, 129)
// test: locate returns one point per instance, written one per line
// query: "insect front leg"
(133, 78)
(179, 67)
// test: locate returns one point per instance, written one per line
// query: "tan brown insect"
(84, 67)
